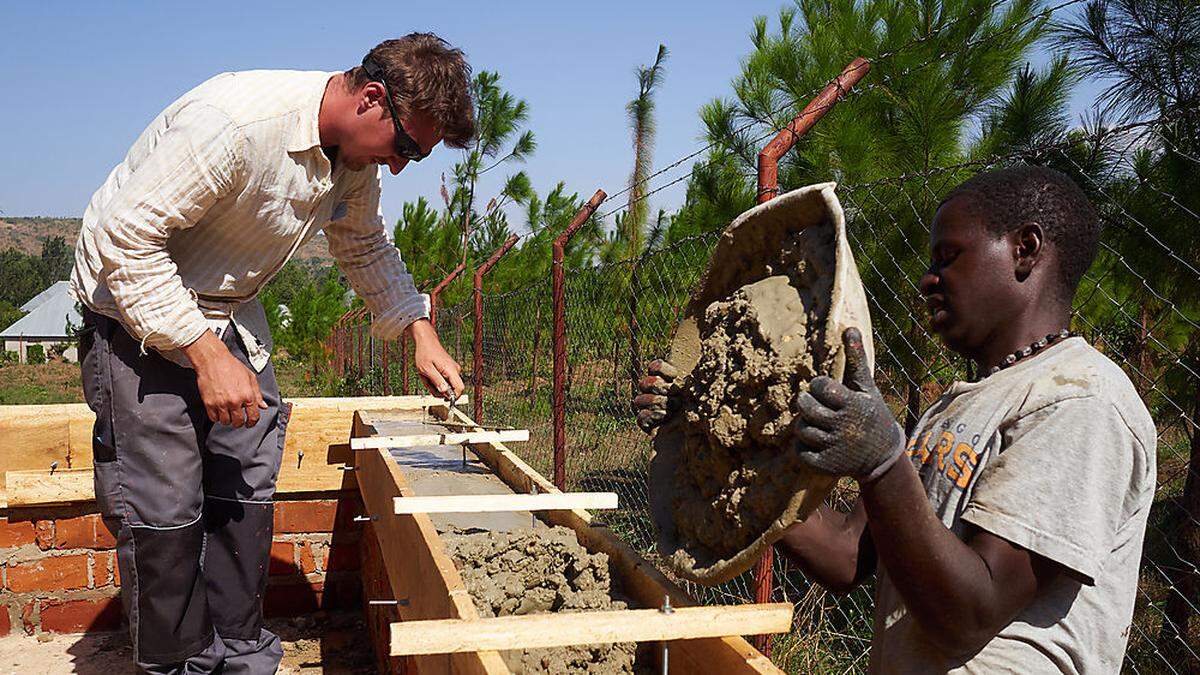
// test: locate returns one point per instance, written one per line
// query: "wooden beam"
(451, 438)
(36, 436)
(420, 572)
(506, 502)
(564, 629)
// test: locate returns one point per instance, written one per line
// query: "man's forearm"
(945, 584)
(828, 547)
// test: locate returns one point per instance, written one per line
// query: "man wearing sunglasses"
(210, 202)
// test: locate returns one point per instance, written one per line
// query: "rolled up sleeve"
(193, 165)
(378, 275)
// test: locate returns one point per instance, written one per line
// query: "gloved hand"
(846, 429)
(658, 398)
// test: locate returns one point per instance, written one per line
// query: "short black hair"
(1005, 199)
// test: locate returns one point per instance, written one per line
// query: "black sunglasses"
(406, 147)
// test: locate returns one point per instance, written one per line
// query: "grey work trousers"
(189, 502)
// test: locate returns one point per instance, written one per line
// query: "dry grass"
(53, 382)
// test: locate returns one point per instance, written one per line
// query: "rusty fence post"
(477, 367)
(560, 338)
(437, 291)
(404, 364)
(768, 189)
(387, 371)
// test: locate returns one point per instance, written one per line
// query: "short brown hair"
(425, 73)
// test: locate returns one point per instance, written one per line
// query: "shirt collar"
(306, 133)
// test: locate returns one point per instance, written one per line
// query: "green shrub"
(35, 354)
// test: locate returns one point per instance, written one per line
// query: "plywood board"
(534, 631)
(512, 502)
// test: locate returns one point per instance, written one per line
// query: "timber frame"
(426, 585)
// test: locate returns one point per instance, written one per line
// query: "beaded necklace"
(1025, 352)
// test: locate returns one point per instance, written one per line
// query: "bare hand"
(441, 373)
(658, 398)
(846, 429)
(228, 388)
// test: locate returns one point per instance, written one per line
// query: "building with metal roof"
(51, 312)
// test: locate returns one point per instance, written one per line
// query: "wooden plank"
(563, 629)
(451, 438)
(420, 573)
(72, 486)
(643, 582)
(502, 502)
(37, 435)
(41, 488)
(352, 403)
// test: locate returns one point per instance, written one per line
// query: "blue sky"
(81, 80)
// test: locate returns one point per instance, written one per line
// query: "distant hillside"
(27, 235)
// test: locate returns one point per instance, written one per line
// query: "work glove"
(846, 429)
(659, 398)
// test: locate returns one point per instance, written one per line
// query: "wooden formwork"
(53, 467)
(425, 584)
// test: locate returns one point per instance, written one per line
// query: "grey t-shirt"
(1056, 455)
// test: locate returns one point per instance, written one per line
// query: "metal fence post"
(437, 291)
(560, 337)
(387, 371)
(477, 368)
(403, 364)
(768, 189)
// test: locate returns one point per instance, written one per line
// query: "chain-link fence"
(1137, 304)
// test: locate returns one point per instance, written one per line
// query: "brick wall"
(59, 573)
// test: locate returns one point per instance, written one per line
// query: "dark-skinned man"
(211, 201)
(1007, 530)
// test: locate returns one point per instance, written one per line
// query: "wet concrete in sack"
(512, 563)
(760, 346)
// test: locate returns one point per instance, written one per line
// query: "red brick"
(82, 532)
(283, 559)
(305, 516)
(104, 538)
(5, 621)
(66, 572)
(100, 569)
(341, 557)
(45, 534)
(296, 517)
(27, 618)
(81, 616)
(292, 599)
(308, 562)
(18, 533)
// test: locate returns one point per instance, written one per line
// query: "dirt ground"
(322, 643)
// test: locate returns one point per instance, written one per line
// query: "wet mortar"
(759, 347)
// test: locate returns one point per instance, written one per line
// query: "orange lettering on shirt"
(943, 448)
(965, 459)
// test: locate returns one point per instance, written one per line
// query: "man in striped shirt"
(213, 198)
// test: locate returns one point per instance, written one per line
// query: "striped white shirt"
(213, 198)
